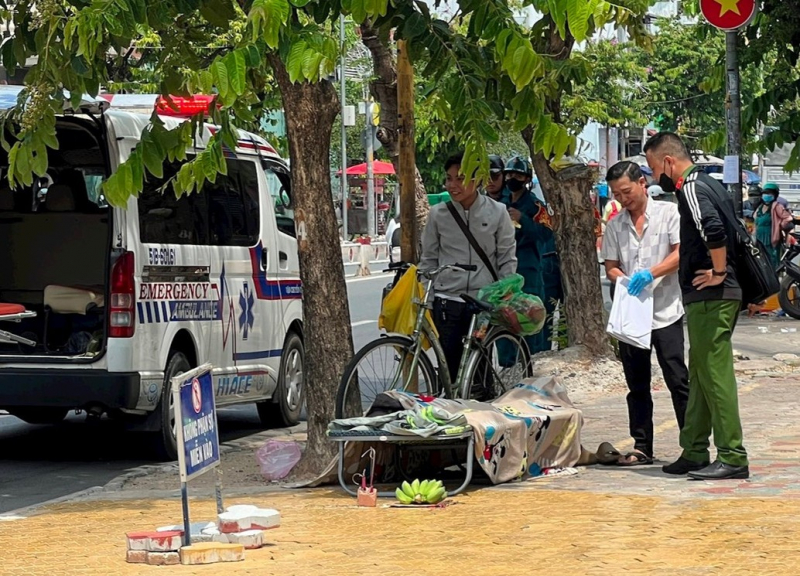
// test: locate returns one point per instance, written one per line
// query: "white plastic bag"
(277, 458)
(631, 318)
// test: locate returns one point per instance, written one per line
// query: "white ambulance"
(119, 300)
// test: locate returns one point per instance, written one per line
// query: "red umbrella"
(378, 167)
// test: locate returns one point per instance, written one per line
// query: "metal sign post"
(197, 435)
(730, 16)
(370, 141)
(343, 98)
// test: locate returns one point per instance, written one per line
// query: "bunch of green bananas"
(425, 492)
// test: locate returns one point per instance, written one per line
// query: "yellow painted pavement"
(492, 532)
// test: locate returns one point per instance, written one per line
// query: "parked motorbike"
(789, 273)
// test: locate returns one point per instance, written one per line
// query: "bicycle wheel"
(381, 365)
(498, 364)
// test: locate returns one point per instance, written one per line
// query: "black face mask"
(515, 185)
(667, 183)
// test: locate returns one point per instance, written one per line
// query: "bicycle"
(490, 364)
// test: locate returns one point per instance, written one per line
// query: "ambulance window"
(165, 219)
(223, 213)
(234, 205)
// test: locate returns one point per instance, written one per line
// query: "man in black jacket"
(712, 298)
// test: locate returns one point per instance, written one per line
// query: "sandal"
(607, 454)
(639, 459)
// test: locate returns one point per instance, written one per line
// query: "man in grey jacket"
(443, 242)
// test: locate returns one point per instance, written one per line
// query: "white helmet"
(655, 191)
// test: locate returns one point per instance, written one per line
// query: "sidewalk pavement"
(604, 520)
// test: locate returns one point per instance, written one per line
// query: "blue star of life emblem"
(246, 318)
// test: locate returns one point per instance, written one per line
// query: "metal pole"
(187, 533)
(218, 490)
(733, 115)
(343, 98)
(371, 232)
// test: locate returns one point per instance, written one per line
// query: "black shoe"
(721, 471)
(683, 466)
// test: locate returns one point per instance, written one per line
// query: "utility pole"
(733, 120)
(343, 98)
(407, 161)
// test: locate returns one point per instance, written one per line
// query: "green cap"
(519, 164)
(771, 186)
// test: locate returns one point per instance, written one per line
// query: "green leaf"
(266, 18)
(237, 71)
(137, 173)
(558, 12)
(39, 159)
(578, 15)
(415, 26)
(220, 72)
(294, 63)
(253, 56)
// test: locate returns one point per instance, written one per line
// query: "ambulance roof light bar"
(180, 106)
(184, 107)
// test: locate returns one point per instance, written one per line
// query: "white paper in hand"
(631, 318)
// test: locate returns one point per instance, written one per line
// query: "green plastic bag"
(520, 313)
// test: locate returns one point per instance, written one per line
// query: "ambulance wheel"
(166, 441)
(287, 403)
(40, 415)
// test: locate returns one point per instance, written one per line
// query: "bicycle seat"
(478, 305)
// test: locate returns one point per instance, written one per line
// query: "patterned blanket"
(530, 428)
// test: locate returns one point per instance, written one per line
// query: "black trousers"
(452, 320)
(668, 344)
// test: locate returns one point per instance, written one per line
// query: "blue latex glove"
(639, 281)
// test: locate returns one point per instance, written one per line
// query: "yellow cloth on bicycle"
(398, 312)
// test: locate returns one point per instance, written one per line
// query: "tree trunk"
(574, 225)
(310, 111)
(567, 195)
(384, 89)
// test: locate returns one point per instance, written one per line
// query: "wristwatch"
(715, 273)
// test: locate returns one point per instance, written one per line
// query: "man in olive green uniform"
(712, 297)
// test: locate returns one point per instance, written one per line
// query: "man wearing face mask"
(712, 298)
(527, 213)
(495, 187)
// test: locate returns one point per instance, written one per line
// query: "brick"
(136, 556)
(163, 558)
(155, 541)
(211, 553)
(242, 518)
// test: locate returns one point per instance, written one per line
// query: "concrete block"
(250, 539)
(245, 518)
(136, 556)
(211, 553)
(197, 530)
(163, 558)
(155, 541)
